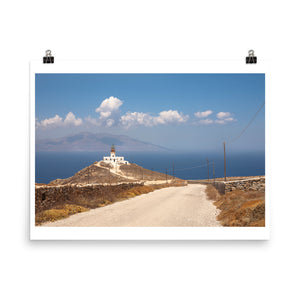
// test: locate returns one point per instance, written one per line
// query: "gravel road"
(173, 206)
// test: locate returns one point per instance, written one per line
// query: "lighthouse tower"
(112, 151)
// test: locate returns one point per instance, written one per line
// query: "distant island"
(87, 141)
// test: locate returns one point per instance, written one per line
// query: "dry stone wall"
(47, 197)
(253, 184)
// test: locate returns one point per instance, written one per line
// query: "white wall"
(153, 29)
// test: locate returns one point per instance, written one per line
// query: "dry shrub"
(93, 202)
(211, 192)
(58, 213)
(135, 192)
(178, 183)
(234, 178)
(139, 190)
(175, 183)
(242, 208)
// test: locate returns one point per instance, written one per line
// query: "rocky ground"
(100, 172)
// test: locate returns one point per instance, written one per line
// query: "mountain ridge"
(87, 141)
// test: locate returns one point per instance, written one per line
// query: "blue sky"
(178, 111)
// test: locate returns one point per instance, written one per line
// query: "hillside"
(100, 172)
(86, 141)
(239, 208)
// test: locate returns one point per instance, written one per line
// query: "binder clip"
(48, 59)
(251, 59)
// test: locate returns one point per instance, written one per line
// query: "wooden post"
(207, 169)
(173, 171)
(166, 175)
(224, 162)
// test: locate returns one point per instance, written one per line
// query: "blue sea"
(53, 165)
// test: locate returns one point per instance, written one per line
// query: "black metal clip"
(48, 59)
(251, 59)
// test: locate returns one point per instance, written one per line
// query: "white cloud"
(92, 121)
(224, 121)
(109, 104)
(110, 115)
(51, 122)
(223, 115)
(224, 118)
(110, 122)
(109, 111)
(144, 119)
(203, 114)
(58, 121)
(205, 121)
(170, 116)
(105, 114)
(71, 120)
(136, 118)
(106, 122)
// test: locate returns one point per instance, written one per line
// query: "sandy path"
(173, 206)
(117, 171)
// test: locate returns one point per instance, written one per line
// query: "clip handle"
(251, 59)
(48, 59)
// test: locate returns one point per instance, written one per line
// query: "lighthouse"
(112, 151)
(113, 159)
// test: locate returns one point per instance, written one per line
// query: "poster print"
(149, 150)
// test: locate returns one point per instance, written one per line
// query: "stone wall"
(47, 197)
(253, 184)
(220, 186)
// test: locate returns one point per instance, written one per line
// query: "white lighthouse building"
(113, 159)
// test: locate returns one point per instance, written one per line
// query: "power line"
(231, 141)
(194, 167)
(201, 166)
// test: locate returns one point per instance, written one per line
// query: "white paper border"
(147, 233)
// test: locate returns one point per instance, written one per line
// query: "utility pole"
(207, 169)
(109, 176)
(166, 175)
(214, 172)
(224, 162)
(88, 175)
(173, 171)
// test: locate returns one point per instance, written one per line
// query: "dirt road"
(173, 206)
